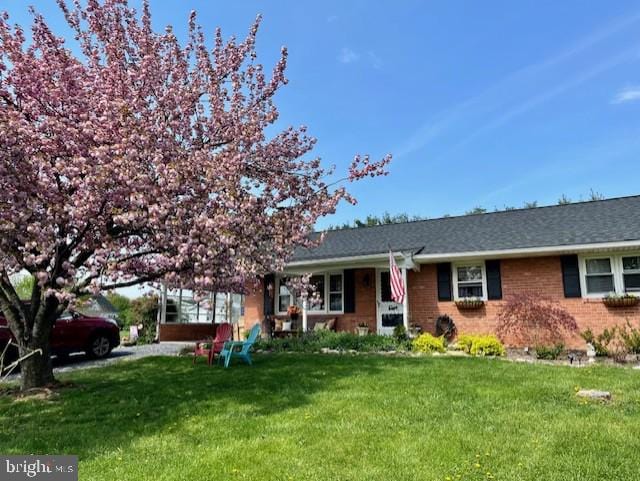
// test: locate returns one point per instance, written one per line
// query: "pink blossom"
(131, 158)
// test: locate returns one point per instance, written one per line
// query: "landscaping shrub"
(480, 345)
(534, 321)
(144, 310)
(428, 344)
(341, 341)
(487, 346)
(465, 341)
(549, 352)
(122, 304)
(618, 350)
(400, 333)
(631, 337)
(601, 341)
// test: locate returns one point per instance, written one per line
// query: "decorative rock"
(594, 394)
(326, 350)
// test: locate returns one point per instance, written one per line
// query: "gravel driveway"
(120, 353)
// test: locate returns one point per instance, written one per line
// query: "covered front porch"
(353, 292)
(183, 316)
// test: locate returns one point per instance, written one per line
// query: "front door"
(389, 312)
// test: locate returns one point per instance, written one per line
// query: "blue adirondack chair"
(241, 349)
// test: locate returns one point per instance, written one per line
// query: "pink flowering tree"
(137, 158)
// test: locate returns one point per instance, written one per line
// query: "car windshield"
(66, 316)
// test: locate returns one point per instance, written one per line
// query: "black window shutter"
(494, 283)
(570, 276)
(444, 281)
(349, 284)
(269, 301)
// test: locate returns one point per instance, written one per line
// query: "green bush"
(144, 310)
(341, 341)
(122, 304)
(480, 345)
(465, 341)
(631, 338)
(487, 346)
(549, 352)
(400, 333)
(601, 341)
(428, 344)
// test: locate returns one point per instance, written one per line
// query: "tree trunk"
(32, 331)
(37, 370)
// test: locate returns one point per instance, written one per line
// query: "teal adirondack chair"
(241, 349)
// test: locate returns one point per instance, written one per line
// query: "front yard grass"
(318, 417)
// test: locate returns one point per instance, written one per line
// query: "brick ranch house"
(574, 254)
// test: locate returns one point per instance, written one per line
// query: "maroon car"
(73, 332)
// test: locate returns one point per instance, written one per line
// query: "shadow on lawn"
(111, 407)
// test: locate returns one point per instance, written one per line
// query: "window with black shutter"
(444, 281)
(494, 282)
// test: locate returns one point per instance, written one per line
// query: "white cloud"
(376, 61)
(348, 56)
(495, 108)
(628, 94)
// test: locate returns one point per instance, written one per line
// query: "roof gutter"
(341, 260)
(497, 253)
(530, 251)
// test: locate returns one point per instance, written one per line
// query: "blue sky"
(481, 103)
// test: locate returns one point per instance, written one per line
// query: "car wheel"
(99, 347)
(62, 357)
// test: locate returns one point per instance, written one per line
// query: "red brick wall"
(538, 275)
(253, 307)
(365, 280)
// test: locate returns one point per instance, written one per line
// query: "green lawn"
(315, 417)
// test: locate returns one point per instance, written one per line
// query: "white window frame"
(616, 270)
(276, 307)
(324, 297)
(329, 291)
(473, 263)
(622, 285)
(292, 301)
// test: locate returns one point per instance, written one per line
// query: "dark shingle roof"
(610, 220)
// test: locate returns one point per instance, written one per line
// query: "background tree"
(373, 220)
(144, 310)
(595, 195)
(142, 159)
(122, 304)
(476, 210)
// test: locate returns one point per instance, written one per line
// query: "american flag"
(395, 277)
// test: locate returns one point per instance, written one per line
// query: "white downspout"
(304, 315)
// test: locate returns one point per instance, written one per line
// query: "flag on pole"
(395, 277)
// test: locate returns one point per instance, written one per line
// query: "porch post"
(405, 302)
(163, 304)
(304, 315)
